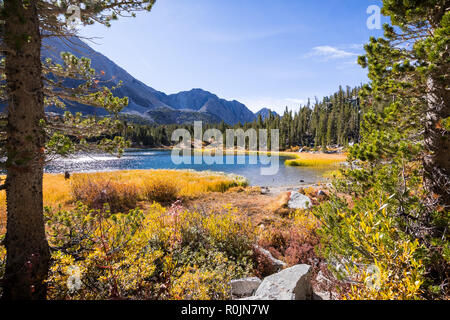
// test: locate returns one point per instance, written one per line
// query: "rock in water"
(299, 201)
(290, 284)
(244, 287)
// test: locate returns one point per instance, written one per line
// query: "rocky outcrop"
(290, 284)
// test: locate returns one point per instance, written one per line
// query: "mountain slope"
(182, 107)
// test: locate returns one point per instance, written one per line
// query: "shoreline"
(313, 159)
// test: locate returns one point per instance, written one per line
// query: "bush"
(95, 192)
(369, 249)
(162, 254)
(198, 284)
(161, 190)
(98, 255)
(293, 239)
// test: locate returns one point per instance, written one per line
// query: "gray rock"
(251, 298)
(299, 201)
(278, 264)
(321, 193)
(244, 287)
(290, 284)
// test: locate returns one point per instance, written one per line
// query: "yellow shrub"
(161, 190)
(228, 226)
(162, 254)
(387, 268)
(306, 222)
(196, 284)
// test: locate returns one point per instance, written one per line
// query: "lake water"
(161, 159)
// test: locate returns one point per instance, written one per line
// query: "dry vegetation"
(124, 189)
(202, 236)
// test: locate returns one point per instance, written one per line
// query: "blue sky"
(262, 53)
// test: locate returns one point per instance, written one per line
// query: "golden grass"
(315, 159)
(303, 159)
(189, 184)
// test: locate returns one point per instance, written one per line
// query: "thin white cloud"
(329, 53)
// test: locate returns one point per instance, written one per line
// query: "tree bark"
(27, 248)
(437, 143)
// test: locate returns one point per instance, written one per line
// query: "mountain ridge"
(145, 101)
(265, 112)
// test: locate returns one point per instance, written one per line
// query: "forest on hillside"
(334, 121)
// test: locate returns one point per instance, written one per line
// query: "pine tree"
(413, 61)
(402, 172)
(26, 23)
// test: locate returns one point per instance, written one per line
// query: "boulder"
(244, 287)
(278, 264)
(251, 298)
(290, 284)
(299, 201)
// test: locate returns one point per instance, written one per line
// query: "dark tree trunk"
(437, 143)
(27, 248)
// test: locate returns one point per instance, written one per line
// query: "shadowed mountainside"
(144, 101)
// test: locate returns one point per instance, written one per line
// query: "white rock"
(299, 201)
(290, 284)
(244, 287)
